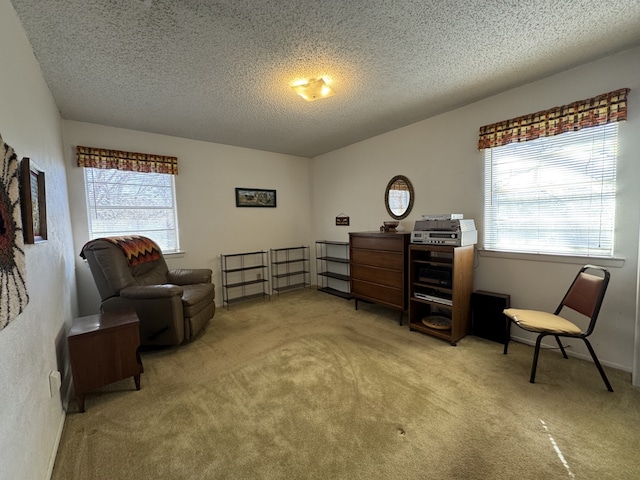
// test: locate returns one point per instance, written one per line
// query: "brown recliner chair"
(130, 272)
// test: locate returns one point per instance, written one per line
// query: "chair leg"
(507, 335)
(597, 362)
(536, 353)
(564, 354)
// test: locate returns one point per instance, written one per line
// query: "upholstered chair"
(131, 272)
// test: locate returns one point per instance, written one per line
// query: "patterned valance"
(131, 161)
(601, 110)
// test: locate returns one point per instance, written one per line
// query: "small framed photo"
(255, 197)
(342, 220)
(33, 201)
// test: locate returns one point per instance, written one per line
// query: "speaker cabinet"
(487, 319)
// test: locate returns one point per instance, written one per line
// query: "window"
(130, 193)
(553, 195)
(121, 202)
(550, 178)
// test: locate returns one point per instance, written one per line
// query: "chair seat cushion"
(537, 321)
(195, 297)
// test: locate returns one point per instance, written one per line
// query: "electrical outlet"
(54, 382)
(259, 276)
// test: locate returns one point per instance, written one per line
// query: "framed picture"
(342, 220)
(255, 197)
(33, 201)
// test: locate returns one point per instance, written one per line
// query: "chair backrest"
(118, 262)
(586, 293)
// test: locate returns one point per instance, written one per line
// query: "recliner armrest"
(189, 276)
(151, 291)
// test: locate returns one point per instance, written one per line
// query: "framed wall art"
(34, 202)
(342, 220)
(13, 294)
(255, 197)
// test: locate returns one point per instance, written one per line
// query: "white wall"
(34, 343)
(440, 157)
(209, 221)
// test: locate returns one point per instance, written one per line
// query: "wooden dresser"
(378, 266)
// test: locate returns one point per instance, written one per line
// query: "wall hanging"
(14, 296)
(255, 197)
(342, 220)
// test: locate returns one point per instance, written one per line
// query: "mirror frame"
(411, 197)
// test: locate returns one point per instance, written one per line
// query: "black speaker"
(487, 319)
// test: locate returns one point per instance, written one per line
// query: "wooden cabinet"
(244, 276)
(378, 265)
(440, 286)
(103, 349)
(332, 268)
(290, 268)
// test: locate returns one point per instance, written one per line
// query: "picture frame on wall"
(255, 197)
(33, 202)
(342, 220)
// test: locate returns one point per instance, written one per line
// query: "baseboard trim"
(572, 353)
(65, 398)
(54, 451)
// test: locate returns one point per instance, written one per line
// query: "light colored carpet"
(305, 387)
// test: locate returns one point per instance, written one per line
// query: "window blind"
(553, 195)
(121, 202)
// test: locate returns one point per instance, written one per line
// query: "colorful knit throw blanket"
(137, 249)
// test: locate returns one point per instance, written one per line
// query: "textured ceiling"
(220, 70)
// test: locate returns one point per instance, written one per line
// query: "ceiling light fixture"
(314, 89)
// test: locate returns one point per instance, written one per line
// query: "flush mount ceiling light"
(314, 89)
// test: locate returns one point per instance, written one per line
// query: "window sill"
(613, 262)
(174, 254)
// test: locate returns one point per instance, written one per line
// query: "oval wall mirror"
(398, 197)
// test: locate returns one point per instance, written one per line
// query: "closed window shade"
(132, 203)
(553, 195)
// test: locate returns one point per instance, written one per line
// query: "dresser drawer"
(377, 293)
(376, 258)
(388, 243)
(383, 276)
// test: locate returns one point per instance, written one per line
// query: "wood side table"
(103, 349)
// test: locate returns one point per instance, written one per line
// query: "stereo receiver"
(457, 238)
